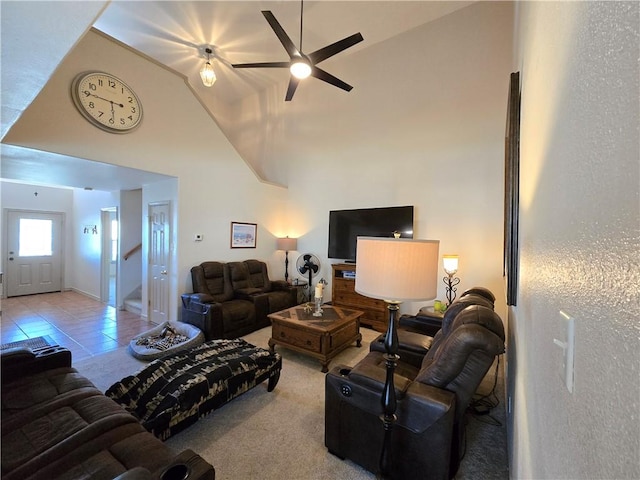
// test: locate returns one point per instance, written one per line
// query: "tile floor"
(85, 326)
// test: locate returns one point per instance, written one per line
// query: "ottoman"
(173, 392)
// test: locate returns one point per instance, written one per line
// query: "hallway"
(75, 321)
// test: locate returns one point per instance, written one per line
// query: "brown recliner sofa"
(57, 424)
(415, 332)
(432, 397)
(233, 299)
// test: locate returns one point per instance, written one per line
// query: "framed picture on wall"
(243, 235)
(512, 189)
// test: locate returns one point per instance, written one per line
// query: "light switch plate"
(568, 327)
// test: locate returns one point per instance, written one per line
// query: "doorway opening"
(109, 256)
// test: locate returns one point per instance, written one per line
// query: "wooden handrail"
(132, 251)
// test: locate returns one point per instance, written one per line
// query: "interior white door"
(159, 260)
(34, 252)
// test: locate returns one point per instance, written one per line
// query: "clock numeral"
(92, 86)
(100, 81)
(133, 109)
(130, 117)
(92, 105)
(122, 121)
(100, 114)
(111, 121)
(130, 99)
(112, 84)
(86, 93)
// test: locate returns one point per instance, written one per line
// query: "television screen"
(345, 226)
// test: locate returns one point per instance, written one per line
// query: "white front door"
(159, 260)
(34, 252)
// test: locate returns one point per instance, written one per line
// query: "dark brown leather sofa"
(57, 424)
(433, 391)
(233, 299)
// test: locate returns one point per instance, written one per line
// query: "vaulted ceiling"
(175, 35)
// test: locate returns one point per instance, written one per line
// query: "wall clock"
(106, 101)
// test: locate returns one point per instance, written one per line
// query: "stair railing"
(132, 251)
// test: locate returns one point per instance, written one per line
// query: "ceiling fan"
(301, 65)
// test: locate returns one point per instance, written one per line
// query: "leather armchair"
(432, 397)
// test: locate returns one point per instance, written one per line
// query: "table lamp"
(395, 270)
(450, 264)
(287, 244)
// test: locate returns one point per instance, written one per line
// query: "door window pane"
(36, 238)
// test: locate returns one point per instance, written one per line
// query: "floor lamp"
(287, 244)
(395, 270)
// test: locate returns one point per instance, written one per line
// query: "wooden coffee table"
(320, 337)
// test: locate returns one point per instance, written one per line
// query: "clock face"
(107, 102)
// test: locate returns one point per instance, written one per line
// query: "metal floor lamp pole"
(389, 404)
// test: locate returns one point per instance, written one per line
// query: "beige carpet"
(265, 435)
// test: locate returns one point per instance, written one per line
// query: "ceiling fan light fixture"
(207, 74)
(300, 69)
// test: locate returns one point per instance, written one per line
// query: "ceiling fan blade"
(337, 47)
(327, 77)
(287, 43)
(262, 65)
(291, 89)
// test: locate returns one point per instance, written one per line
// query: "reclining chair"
(250, 278)
(415, 333)
(432, 397)
(426, 323)
(214, 308)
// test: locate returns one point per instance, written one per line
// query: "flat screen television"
(345, 226)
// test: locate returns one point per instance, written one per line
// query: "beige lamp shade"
(396, 269)
(287, 244)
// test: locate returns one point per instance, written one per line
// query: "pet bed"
(166, 338)
(173, 392)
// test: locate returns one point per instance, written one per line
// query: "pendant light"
(207, 74)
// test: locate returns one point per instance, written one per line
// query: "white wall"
(87, 247)
(436, 142)
(177, 137)
(580, 217)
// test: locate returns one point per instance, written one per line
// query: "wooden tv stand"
(343, 294)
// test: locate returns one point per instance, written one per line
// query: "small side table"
(426, 321)
(303, 290)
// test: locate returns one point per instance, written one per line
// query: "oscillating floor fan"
(308, 264)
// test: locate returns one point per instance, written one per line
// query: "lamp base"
(389, 403)
(451, 282)
(286, 266)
